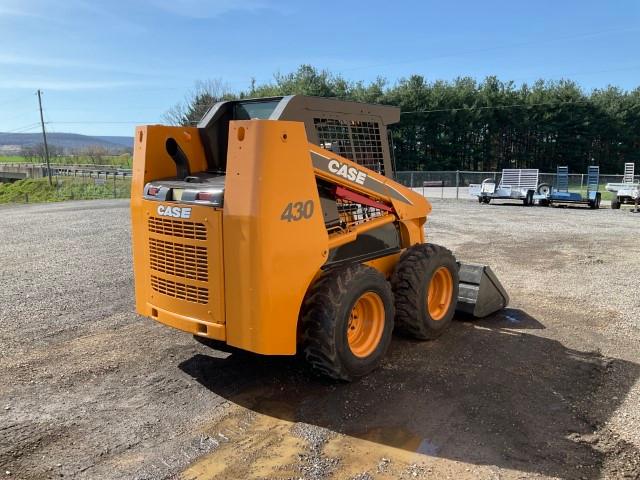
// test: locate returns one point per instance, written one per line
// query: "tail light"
(205, 196)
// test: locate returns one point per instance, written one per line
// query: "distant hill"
(68, 141)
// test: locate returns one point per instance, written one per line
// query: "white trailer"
(515, 184)
(627, 191)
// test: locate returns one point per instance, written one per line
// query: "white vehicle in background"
(627, 191)
(515, 184)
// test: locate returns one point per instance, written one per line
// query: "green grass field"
(604, 194)
(38, 190)
(117, 160)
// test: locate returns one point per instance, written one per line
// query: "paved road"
(547, 389)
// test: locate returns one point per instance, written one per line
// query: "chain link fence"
(454, 183)
(80, 184)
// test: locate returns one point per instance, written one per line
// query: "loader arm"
(389, 200)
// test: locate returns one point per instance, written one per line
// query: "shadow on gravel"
(486, 393)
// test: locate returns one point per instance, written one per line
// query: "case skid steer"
(275, 226)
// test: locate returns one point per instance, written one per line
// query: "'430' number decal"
(295, 211)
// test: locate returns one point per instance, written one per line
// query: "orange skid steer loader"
(275, 225)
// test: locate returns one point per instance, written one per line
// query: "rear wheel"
(425, 285)
(347, 322)
(528, 199)
(615, 203)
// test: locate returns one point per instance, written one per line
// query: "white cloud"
(13, 59)
(210, 8)
(8, 11)
(67, 63)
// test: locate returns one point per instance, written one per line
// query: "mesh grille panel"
(177, 228)
(367, 145)
(191, 293)
(186, 261)
(355, 140)
(334, 135)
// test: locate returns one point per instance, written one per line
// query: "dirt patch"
(547, 389)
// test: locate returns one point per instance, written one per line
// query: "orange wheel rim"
(440, 293)
(366, 324)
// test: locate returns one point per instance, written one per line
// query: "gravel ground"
(547, 389)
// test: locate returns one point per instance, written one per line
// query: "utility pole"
(44, 137)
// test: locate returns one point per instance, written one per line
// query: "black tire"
(325, 317)
(481, 199)
(595, 203)
(544, 202)
(487, 200)
(528, 199)
(615, 204)
(410, 282)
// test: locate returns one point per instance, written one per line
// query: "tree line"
(465, 124)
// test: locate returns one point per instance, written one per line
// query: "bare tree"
(38, 150)
(95, 153)
(56, 152)
(198, 101)
(29, 153)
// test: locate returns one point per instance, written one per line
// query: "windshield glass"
(250, 110)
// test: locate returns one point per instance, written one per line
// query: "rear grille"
(179, 290)
(188, 263)
(177, 259)
(177, 228)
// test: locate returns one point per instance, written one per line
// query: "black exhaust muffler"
(179, 158)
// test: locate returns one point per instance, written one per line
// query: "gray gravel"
(548, 389)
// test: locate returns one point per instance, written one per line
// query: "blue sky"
(106, 65)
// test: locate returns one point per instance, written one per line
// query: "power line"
(515, 105)
(14, 100)
(22, 129)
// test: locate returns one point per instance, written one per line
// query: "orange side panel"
(274, 234)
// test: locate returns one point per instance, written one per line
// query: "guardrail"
(56, 165)
(16, 171)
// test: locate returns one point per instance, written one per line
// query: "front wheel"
(347, 322)
(425, 285)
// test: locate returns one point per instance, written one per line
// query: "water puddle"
(402, 438)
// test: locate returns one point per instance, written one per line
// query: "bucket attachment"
(480, 293)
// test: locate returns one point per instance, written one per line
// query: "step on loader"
(275, 226)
